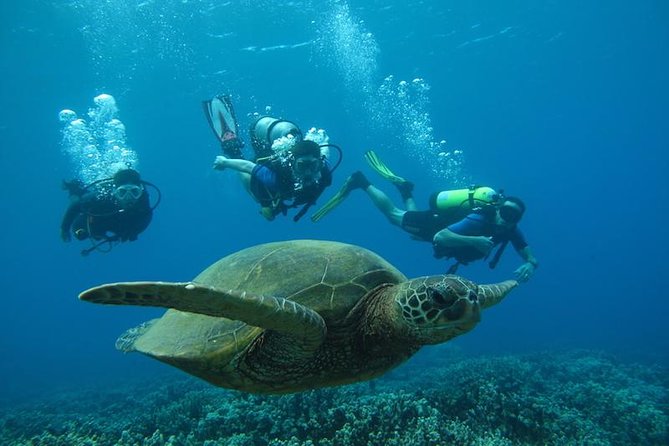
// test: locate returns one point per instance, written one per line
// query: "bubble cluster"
(349, 49)
(402, 113)
(395, 113)
(97, 148)
(284, 143)
(126, 38)
(67, 116)
(320, 137)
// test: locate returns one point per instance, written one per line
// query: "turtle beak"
(492, 294)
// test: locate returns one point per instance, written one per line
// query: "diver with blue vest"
(464, 224)
(287, 170)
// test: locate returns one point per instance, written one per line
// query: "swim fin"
(355, 181)
(380, 167)
(221, 117)
(330, 205)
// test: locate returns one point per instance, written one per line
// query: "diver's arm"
(527, 255)
(526, 270)
(240, 165)
(71, 213)
(449, 239)
(139, 222)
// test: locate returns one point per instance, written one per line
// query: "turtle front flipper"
(268, 312)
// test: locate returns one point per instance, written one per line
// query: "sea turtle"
(295, 315)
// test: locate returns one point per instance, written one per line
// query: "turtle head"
(438, 308)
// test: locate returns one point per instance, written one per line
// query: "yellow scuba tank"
(464, 199)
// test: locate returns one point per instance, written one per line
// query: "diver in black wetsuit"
(116, 209)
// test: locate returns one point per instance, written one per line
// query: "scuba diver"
(463, 224)
(288, 170)
(108, 211)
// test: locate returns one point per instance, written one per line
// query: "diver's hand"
(65, 235)
(220, 163)
(482, 244)
(524, 272)
(267, 212)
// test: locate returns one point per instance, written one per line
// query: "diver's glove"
(74, 187)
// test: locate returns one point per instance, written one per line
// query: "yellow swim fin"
(330, 205)
(356, 180)
(381, 168)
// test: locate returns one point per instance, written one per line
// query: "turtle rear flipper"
(126, 342)
(268, 312)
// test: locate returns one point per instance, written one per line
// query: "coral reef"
(575, 397)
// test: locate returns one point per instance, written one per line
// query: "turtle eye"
(473, 296)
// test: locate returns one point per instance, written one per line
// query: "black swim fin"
(221, 117)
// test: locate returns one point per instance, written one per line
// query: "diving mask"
(307, 166)
(510, 214)
(128, 192)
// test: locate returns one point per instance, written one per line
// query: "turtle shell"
(328, 277)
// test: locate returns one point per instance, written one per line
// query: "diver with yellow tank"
(462, 224)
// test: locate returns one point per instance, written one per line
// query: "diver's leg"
(357, 180)
(385, 205)
(406, 191)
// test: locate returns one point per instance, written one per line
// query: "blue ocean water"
(562, 103)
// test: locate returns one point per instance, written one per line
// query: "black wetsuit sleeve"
(326, 175)
(140, 224)
(73, 210)
(142, 217)
(325, 181)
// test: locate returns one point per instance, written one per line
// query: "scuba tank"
(266, 129)
(455, 205)
(464, 199)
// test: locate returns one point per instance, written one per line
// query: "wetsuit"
(424, 225)
(480, 225)
(100, 217)
(273, 184)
